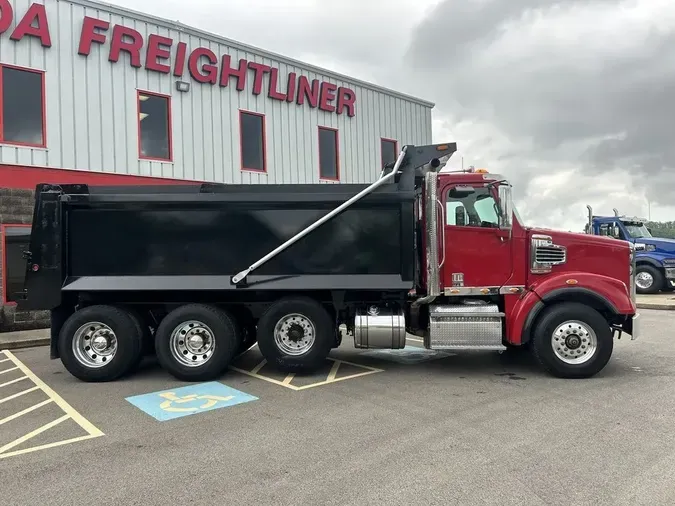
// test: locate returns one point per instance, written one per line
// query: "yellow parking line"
(67, 408)
(333, 371)
(27, 410)
(27, 391)
(8, 370)
(46, 446)
(32, 434)
(13, 381)
(257, 368)
(331, 378)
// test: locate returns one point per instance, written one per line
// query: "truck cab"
(655, 256)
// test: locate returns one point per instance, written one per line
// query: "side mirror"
(617, 231)
(459, 216)
(505, 207)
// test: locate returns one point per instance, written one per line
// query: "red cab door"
(475, 253)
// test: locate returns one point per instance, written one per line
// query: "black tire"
(221, 328)
(543, 337)
(248, 332)
(311, 313)
(147, 344)
(657, 276)
(128, 335)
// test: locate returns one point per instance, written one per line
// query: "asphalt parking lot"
(373, 428)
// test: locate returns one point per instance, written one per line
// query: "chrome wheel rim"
(294, 334)
(574, 342)
(94, 344)
(644, 280)
(192, 343)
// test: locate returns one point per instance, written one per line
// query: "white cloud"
(570, 99)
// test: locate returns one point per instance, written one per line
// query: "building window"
(252, 141)
(15, 240)
(22, 106)
(154, 126)
(329, 158)
(388, 151)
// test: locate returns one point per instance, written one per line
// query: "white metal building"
(105, 89)
(102, 95)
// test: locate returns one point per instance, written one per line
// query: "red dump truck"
(202, 272)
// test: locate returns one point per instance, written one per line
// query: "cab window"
(476, 209)
(612, 230)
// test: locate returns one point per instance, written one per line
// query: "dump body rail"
(426, 155)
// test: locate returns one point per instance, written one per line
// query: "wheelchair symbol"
(171, 399)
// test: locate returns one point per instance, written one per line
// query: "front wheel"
(296, 334)
(648, 280)
(571, 340)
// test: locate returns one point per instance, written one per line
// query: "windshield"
(636, 230)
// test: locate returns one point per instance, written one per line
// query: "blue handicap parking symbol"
(189, 400)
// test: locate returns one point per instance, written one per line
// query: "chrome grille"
(545, 254)
(549, 255)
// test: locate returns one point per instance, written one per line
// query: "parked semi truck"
(205, 271)
(654, 256)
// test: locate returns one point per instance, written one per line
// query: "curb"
(24, 343)
(649, 305)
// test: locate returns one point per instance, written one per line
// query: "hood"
(661, 243)
(600, 255)
(582, 239)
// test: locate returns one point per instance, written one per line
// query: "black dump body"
(161, 239)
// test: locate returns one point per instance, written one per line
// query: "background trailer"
(98, 94)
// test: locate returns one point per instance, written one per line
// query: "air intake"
(545, 254)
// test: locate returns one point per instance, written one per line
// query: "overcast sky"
(572, 100)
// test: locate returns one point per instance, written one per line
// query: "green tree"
(662, 228)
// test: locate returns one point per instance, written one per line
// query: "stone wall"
(16, 207)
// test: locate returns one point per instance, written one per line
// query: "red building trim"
(44, 108)
(264, 143)
(169, 124)
(382, 141)
(3, 261)
(27, 178)
(337, 153)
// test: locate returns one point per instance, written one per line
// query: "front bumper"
(670, 277)
(635, 327)
(631, 326)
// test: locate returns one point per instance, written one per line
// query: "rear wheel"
(100, 343)
(648, 279)
(571, 340)
(296, 334)
(196, 342)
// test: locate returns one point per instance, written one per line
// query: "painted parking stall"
(33, 416)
